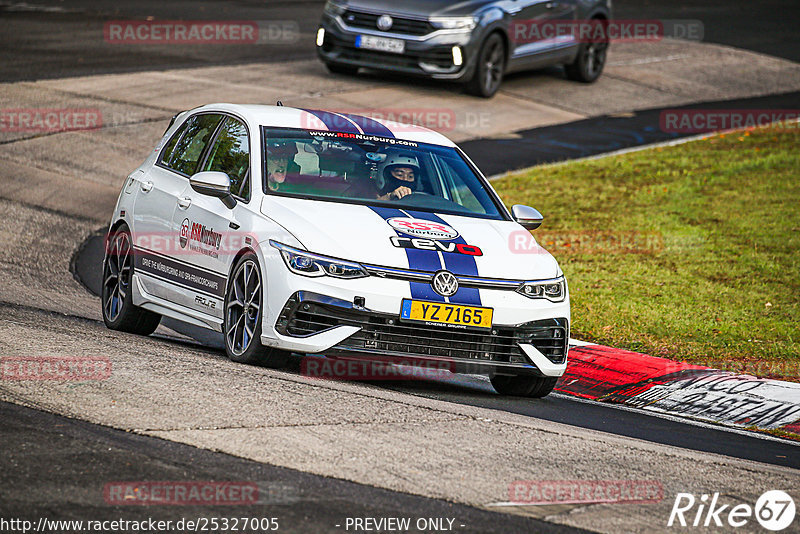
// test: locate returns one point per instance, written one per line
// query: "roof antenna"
(279, 103)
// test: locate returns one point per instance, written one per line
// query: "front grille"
(381, 333)
(441, 57)
(402, 25)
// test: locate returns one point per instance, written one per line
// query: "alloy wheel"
(493, 67)
(243, 310)
(117, 276)
(595, 58)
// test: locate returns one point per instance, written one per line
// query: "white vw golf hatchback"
(292, 230)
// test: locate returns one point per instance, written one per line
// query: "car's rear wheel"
(338, 68)
(244, 305)
(589, 62)
(524, 386)
(119, 313)
(490, 67)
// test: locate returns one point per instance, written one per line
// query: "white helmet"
(398, 159)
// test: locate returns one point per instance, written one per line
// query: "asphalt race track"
(303, 502)
(475, 391)
(53, 40)
(174, 408)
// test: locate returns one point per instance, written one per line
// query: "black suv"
(475, 42)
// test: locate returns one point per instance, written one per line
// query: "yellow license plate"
(446, 314)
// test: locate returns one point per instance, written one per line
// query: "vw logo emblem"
(384, 22)
(445, 283)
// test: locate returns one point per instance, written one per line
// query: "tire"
(490, 68)
(244, 302)
(116, 296)
(338, 68)
(524, 386)
(589, 62)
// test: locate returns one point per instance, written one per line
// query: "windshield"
(367, 169)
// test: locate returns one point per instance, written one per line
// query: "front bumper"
(536, 347)
(429, 55)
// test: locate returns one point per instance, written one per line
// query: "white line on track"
(647, 60)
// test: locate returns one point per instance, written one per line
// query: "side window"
(231, 155)
(189, 148)
(166, 152)
(457, 190)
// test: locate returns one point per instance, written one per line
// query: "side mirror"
(528, 217)
(214, 184)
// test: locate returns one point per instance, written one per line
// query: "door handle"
(146, 186)
(184, 202)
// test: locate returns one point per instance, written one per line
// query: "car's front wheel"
(589, 62)
(490, 67)
(119, 313)
(244, 306)
(524, 386)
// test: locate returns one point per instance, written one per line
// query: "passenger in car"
(276, 172)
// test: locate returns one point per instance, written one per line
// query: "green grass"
(723, 288)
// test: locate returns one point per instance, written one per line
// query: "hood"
(419, 8)
(364, 234)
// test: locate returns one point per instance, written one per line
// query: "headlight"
(553, 290)
(453, 23)
(334, 8)
(310, 264)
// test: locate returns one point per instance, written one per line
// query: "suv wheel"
(490, 68)
(589, 62)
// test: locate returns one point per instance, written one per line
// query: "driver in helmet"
(400, 173)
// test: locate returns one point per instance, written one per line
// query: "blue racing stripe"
(455, 262)
(333, 121)
(420, 260)
(370, 126)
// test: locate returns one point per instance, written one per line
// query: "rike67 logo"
(774, 510)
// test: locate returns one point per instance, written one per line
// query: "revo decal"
(459, 264)
(418, 259)
(423, 228)
(434, 245)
